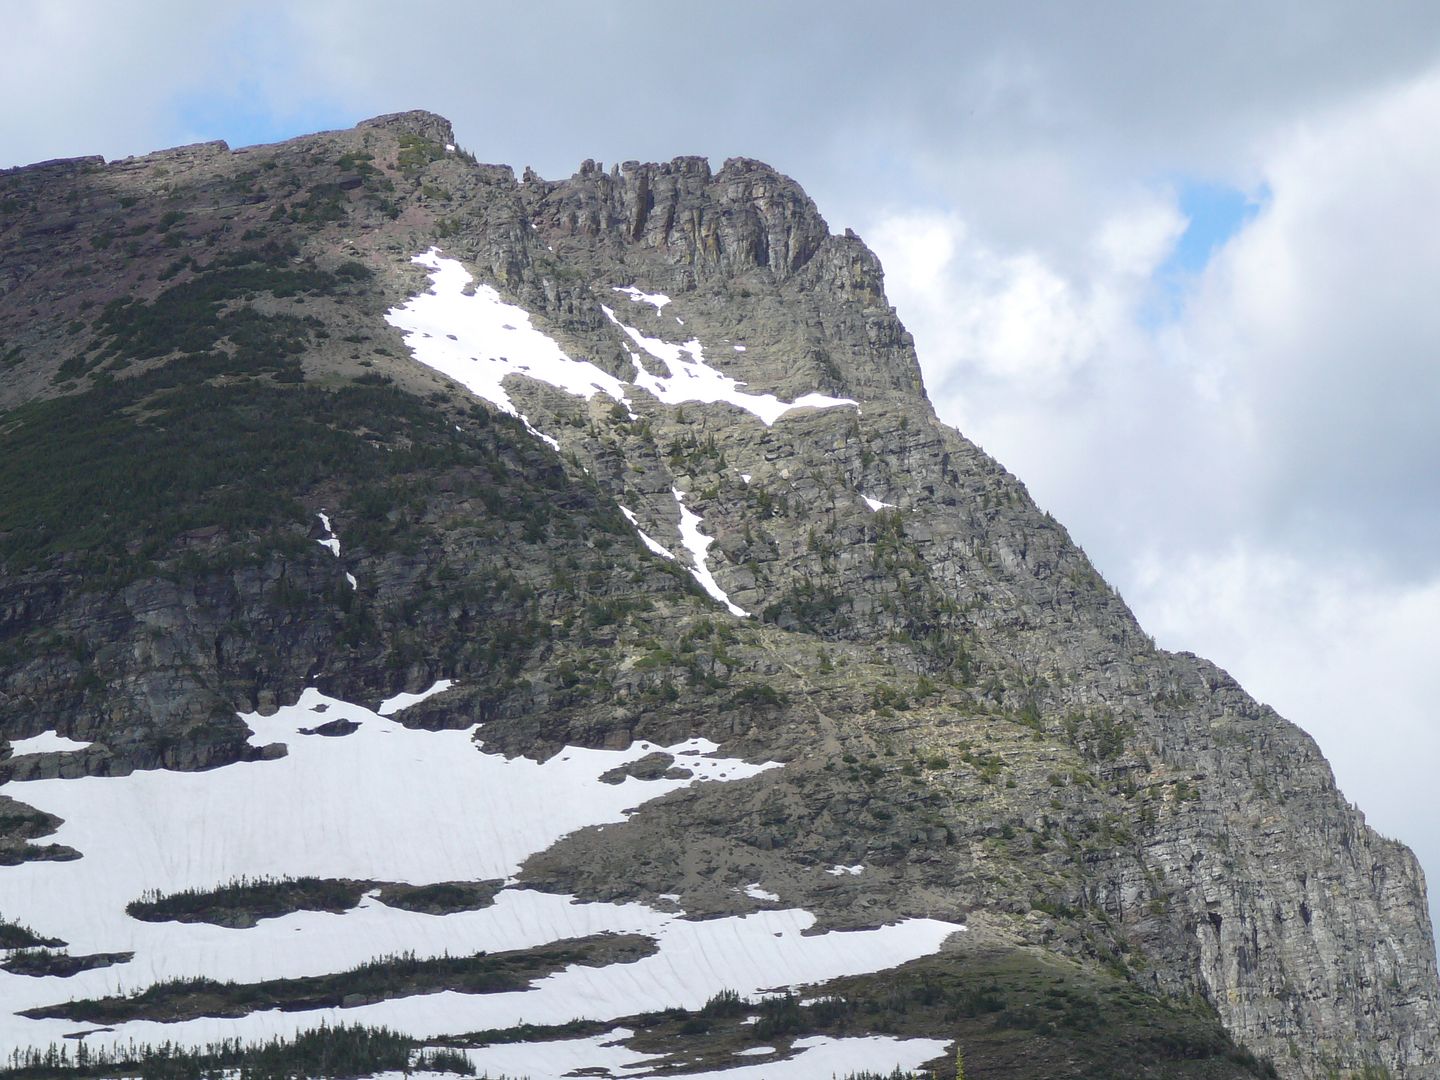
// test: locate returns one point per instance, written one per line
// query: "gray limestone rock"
(963, 705)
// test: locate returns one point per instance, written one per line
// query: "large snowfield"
(388, 803)
(385, 803)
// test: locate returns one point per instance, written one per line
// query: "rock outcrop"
(964, 706)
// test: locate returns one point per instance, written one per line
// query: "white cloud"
(1321, 320)
(1013, 325)
(1261, 476)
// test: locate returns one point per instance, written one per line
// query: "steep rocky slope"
(211, 360)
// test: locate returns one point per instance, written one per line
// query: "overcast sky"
(1176, 266)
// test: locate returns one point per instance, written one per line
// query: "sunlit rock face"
(556, 602)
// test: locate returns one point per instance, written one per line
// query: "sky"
(1176, 266)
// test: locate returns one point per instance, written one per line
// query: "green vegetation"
(443, 1059)
(1016, 1014)
(1061, 1018)
(376, 980)
(725, 1003)
(210, 309)
(111, 476)
(326, 1052)
(42, 962)
(15, 935)
(324, 203)
(759, 696)
(814, 607)
(245, 901)
(417, 151)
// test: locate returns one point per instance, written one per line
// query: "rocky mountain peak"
(417, 122)
(746, 218)
(619, 495)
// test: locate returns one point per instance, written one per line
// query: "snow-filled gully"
(477, 339)
(465, 331)
(695, 380)
(388, 803)
(698, 544)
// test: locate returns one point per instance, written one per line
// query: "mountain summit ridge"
(956, 702)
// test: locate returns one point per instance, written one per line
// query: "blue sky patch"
(246, 118)
(1214, 213)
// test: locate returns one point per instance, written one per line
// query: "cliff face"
(204, 351)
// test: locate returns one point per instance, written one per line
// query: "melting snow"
(479, 340)
(560, 1058)
(353, 583)
(332, 541)
(739, 348)
(697, 543)
(658, 300)
(749, 954)
(876, 504)
(388, 804)
(367, 807)
(390, 706)
(837, 869)
(695, 380)
(755, 892)
(47, 742)
(814, 1056)
(657, 548)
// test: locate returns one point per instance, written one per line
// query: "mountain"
(547, 621)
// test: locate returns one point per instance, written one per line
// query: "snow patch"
(331, 541)
(752, 955)
(47, 742)
(558, 1058)
(479, 340)
(657, 548)
(385, 803)
(390, 706)
(695, 380)
(755, 892)
(853, 871)
(813, 1056)
(657, 300)
(876, 504)
(697, 543)
(353, 583)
